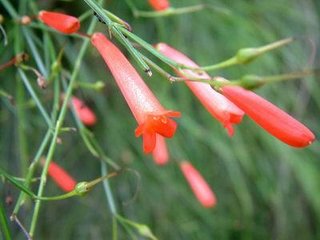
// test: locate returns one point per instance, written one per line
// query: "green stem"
(58, 126)
(31, 170)
(114, 228)
(34, 96)
(34, 51)
(19, 179)
(21, 118)
(107, 189)
(94, 86)
(246, 55)
(7, 5)
(288, 76)
(85, 15)
(103, 156)
(59, 197)
(225, 64)
(4, 223)
(275, 45)
(118, 20)
(169, 11)
(3, 32)
(254, 81)
(173, 79)
(151, 49)
(160, 70)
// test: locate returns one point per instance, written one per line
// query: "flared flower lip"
(160, 123)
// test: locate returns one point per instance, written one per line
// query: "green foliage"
(265, 189)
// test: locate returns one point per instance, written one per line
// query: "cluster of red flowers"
(227, 104)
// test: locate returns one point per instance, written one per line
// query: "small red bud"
(199, 186)
(61, 22)
(159, 5)
(84, 113)
(61, 177)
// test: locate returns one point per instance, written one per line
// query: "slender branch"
(107, 189)
(34, 96)
(58, 126)
(4, 223)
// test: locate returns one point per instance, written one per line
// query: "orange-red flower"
(61, 22)
(61, 177)
(274, 120)
(159, 5)
(151, 116)
(160, 153)
(216, 104)
(199, 186)
(83, 112)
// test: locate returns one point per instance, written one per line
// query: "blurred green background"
(265, 189)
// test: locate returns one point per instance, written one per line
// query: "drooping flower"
(83, 112)
(61, 22)
(151, 116)
(215, 103)
(61, 177)
(199, 186)
(160, 153)
(274, 120)
(159, 5)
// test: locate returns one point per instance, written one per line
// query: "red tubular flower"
(274, 120)
(61, 177)
(159, 5)
(84, 113)
(61, 22)
(199, 186)
(215, 103)
(160, 153)
(150, 114)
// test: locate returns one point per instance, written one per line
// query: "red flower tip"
(199, 186)
(83, 112)
(61, 22)
(151, 116)
(61, 177)
(274, 120)
(216, 104)
(159, 5)
(160, 153)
